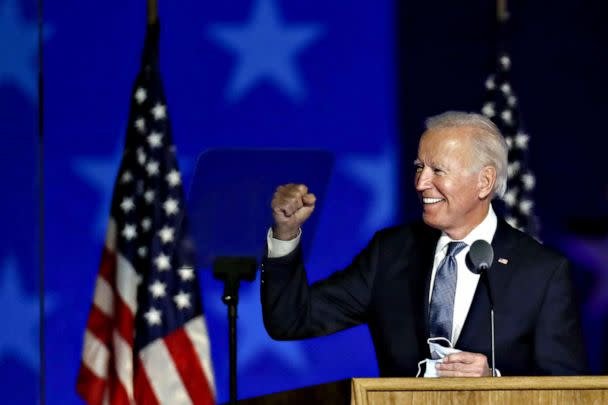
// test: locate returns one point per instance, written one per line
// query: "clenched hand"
(292, 205)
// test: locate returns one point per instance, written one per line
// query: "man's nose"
(423, 179)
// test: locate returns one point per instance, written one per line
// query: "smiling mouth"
(429, 200)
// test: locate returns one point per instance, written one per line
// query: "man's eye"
(439, 172)
(418, 168)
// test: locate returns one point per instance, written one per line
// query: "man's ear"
(487, 179)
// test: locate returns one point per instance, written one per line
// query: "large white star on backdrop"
(266, 48)
(378, 175)
(19, 45)
(19, 339)
(100, 173)
(254, 341)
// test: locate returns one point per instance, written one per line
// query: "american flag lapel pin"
(502, 260)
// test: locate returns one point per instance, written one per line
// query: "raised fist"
(291, 205)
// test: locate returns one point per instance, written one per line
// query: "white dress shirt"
(280, 248)
(466, 281)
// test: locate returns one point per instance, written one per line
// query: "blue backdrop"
(356, 78)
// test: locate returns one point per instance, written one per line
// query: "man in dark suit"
(412, 282)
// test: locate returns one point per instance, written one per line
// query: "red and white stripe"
(172, 370)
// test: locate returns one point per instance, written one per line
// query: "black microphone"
(480, 256)
(479, 260)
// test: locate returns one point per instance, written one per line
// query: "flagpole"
(152, 12)
(502, 11)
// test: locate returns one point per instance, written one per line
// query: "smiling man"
(412, 283)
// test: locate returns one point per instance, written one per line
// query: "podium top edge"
(481, 384)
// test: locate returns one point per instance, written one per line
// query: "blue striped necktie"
(441, 310)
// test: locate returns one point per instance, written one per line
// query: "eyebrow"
(435, 165)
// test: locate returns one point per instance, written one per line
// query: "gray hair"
(489, 146)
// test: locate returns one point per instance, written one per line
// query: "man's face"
(449, 190)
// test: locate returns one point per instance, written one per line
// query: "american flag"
(501, 106)
(146, 340)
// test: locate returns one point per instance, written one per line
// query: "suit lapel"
(478, 319)
(424, 254)
(499, 273)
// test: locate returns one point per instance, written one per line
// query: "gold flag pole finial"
(152, 12)
(502, 13)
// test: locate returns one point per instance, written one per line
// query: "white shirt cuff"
(279, 248)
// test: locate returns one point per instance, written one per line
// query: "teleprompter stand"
(231, 270)
(229, 212)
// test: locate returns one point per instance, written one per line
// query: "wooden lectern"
(442, 391)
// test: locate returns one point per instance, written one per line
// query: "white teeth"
(431, 200)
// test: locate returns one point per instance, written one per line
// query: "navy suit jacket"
(387, 287)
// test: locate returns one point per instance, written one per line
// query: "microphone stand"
(486, 282)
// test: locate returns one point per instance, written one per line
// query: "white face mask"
(438, 352)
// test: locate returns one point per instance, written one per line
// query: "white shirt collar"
(485, 231)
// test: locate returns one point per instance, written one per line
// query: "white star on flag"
(170, 206)
(159, 112)
(129, 232)
(182, 300)
(141, 156)
(126, 177)
(155, 139)
(512, 169)
(529, 181)
(521, 140)
(142, 251)
(512, 221)
(490, 85)
(505, 62)
(510, 198)
(152, 168)
(146, 223)
(507, 116)
(166, 234)
(505, 88)
(153, 316)
(140, 95)
(525, 206)
(127, 204)
(173, 178)
(140, 125)
(158, 289)
(149, 196)
(162, 262)
(186, 273)
(488, 110)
